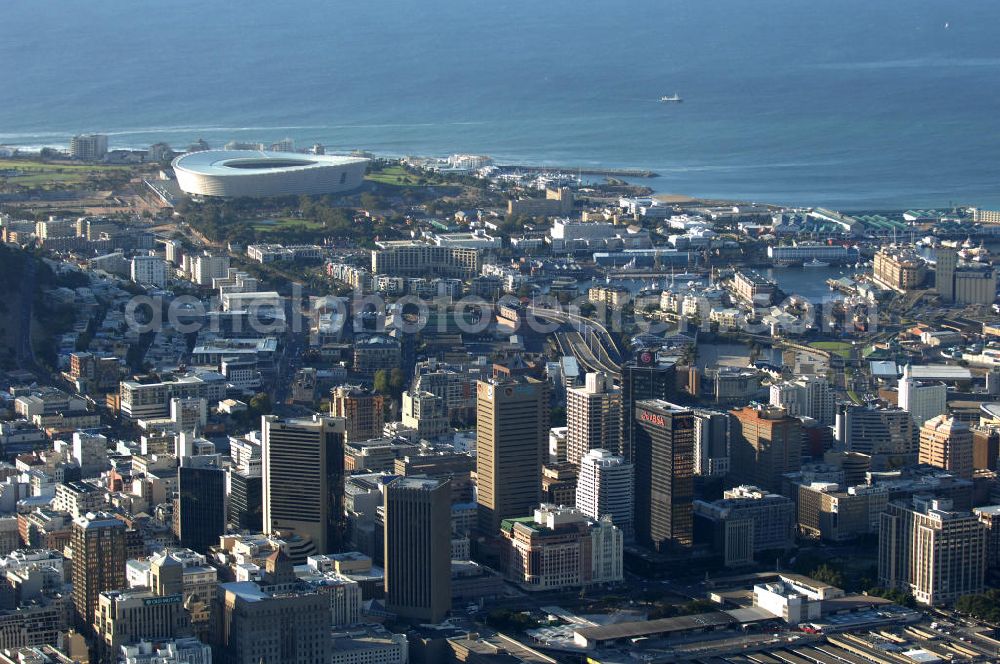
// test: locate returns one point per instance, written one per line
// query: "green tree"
(985, 606)
(260, 404)
(381, 381)
(828, 575)
(397, 380)
(557, 416)
(505, 619)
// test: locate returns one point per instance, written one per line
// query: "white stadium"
(233, 173)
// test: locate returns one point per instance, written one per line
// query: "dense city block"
(263, 404)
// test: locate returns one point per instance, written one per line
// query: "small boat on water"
(815, 263)
(676, 98)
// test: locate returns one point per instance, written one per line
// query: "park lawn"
(286, 224)
(46, 177)
(841, 348)
(50, 167)
(35, 173)
(394, 175)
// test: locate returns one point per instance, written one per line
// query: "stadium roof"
(248, 162)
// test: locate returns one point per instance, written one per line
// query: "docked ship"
(672, 98)
(815, 263)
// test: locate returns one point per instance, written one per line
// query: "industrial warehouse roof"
(940, 372)
(662, 626)
(884, 369)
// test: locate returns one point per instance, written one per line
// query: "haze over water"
(848, 103)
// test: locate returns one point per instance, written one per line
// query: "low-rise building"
(270, 253)
(557, 202)
(147, 397)
(35, 622)
(78, 498)
(793, 598)
(408, 258)
(369, 647)
(753, 288)
(376, 352)
(187, 650)
(609, 296)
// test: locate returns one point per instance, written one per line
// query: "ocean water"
(845, 103)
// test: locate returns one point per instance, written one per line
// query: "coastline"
(670, 181)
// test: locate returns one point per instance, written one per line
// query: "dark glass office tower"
(201, 505)
(246, 501)
(663, 442)
(643, 378)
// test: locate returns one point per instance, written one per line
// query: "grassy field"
(394, 175)
(31, 164)
(286, 224)
(35, 173)
(841, 348)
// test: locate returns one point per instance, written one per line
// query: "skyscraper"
(876, 431)
(277, 619)
(201, 502)
(930, 551)
(512, 432)
(766, 443)
(947, 443)
(98, 549)
(946, 261)
(88, 147)
(246, 487)
(663, 443)
(303, 478)
(363, 409)
(593, 417)
(246, 501)
(558, 548)
(711, 443)
(985, 447)
(418, 548)
(130, 615)
(645, 378)
(921, 400)
(606, 487)
(806, 396)
(746, 521)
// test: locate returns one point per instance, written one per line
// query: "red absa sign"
(653, 418)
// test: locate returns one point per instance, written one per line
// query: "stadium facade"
(233, 173)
